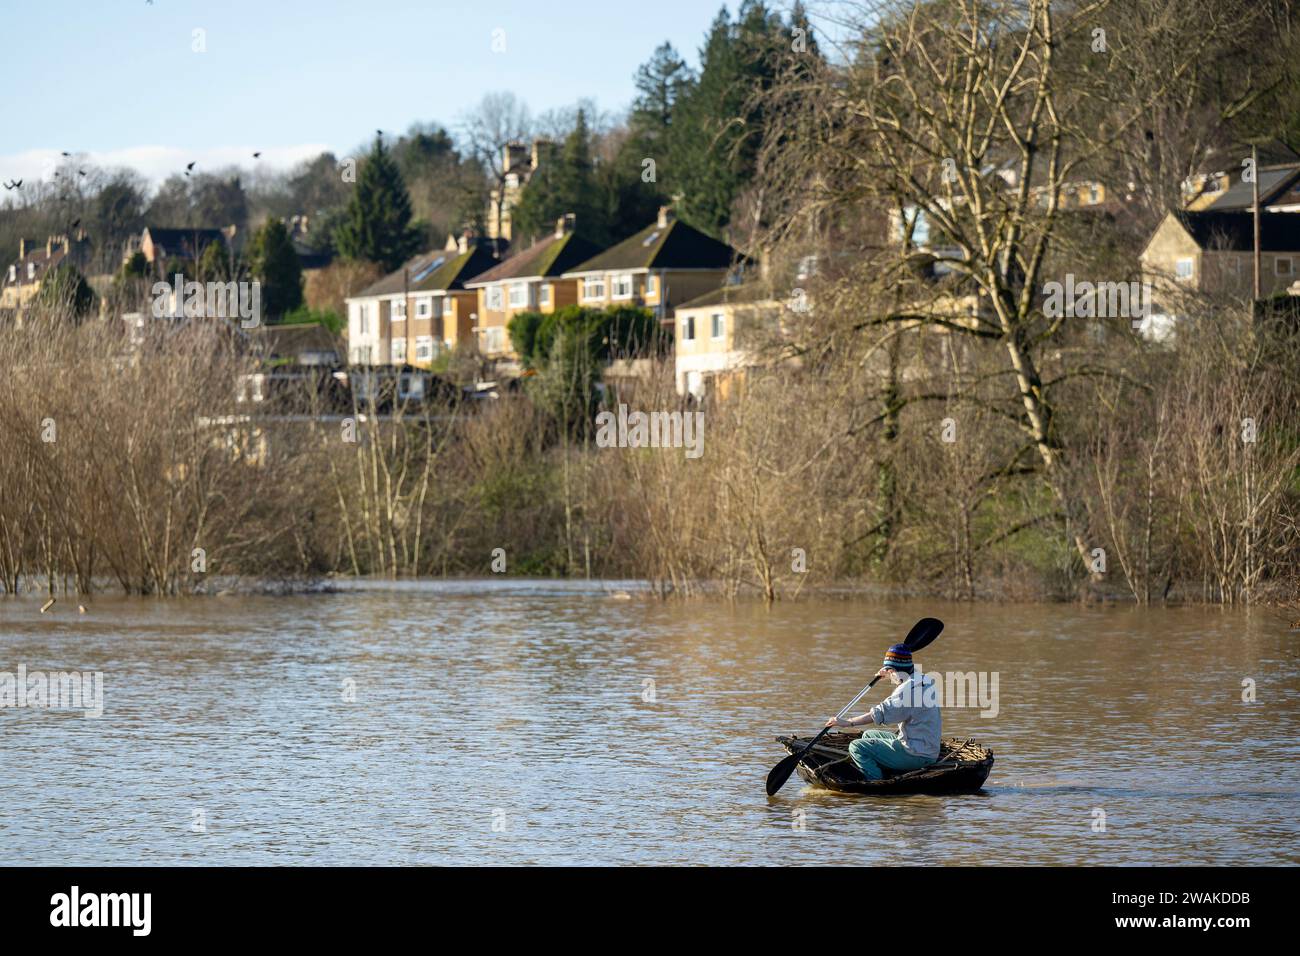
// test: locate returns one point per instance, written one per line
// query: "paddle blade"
(923, 633)
(781, 773)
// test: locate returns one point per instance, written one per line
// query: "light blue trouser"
(879, 750)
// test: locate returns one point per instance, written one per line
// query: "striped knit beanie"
(899, 657)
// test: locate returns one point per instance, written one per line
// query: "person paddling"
(913, 706)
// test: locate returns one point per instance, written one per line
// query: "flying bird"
(74, 224)
(257, 155)
(191, 165)
(67, 154)
(81, 172)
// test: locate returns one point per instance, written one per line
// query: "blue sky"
(118, 80)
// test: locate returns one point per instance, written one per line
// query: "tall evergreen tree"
(661, 83)
(377, 226)
(714, 144)
(565, 183)
(275, 265)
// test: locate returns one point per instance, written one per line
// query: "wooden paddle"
(922, 634)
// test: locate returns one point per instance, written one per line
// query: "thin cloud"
(156, 163)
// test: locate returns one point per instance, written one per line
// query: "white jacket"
(914, 705)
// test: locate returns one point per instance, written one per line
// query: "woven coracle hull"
(962, 767)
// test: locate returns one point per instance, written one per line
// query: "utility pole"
(1254, 188)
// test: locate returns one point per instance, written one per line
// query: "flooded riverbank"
(556, 722)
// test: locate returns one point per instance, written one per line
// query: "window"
(1183, 268)
(399, 310)
(448, 305)
(411, 387)
(544, 294)
(423, 348)
(494, 340)
(399, 351)
(363, 318)
(494, 298)
(423, 308)
(688, 329)
(622, 287)
(1283, 266)
(651, 284)
(518, 295)
(593, 287)
(31, 270)
(1094, 195)
(719, 325)
(13, 273)
(425, 272)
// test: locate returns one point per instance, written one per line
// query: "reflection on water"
(506, 722)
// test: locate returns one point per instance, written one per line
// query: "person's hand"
(883, 672)
(836, 722)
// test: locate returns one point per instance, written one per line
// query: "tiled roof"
(550, 257)
(1272, 183)
(435, 272)
(672, 246)
(1234, 231)
(290, 341)
(182, 242)
(743, 294)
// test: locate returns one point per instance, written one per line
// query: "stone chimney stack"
(22, 248)
(666, 215)
(540, 149)
(564, 225)
(512, 155)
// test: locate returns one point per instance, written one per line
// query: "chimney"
(564, 225)
(512, 154)
(540, 147)
(22, 248)
(451, 244)
(666, 216)
(462, 244)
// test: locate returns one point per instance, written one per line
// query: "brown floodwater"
(501, 722)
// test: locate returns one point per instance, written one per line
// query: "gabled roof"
(550, 257)
(1234, 231)
(440, 271)
(291, 341)
(671, 246)
(746, 293)
(182, 243)
(1272, 183)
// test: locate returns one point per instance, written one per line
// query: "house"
(310, 258)
(518, 164)
(1279, 191)
(22, 279)
(421, 309)
(161, 244)
(531, 280)
(665, 263)
(707, 336)
(307, 344)
(1212, 253)
(1221, 188)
